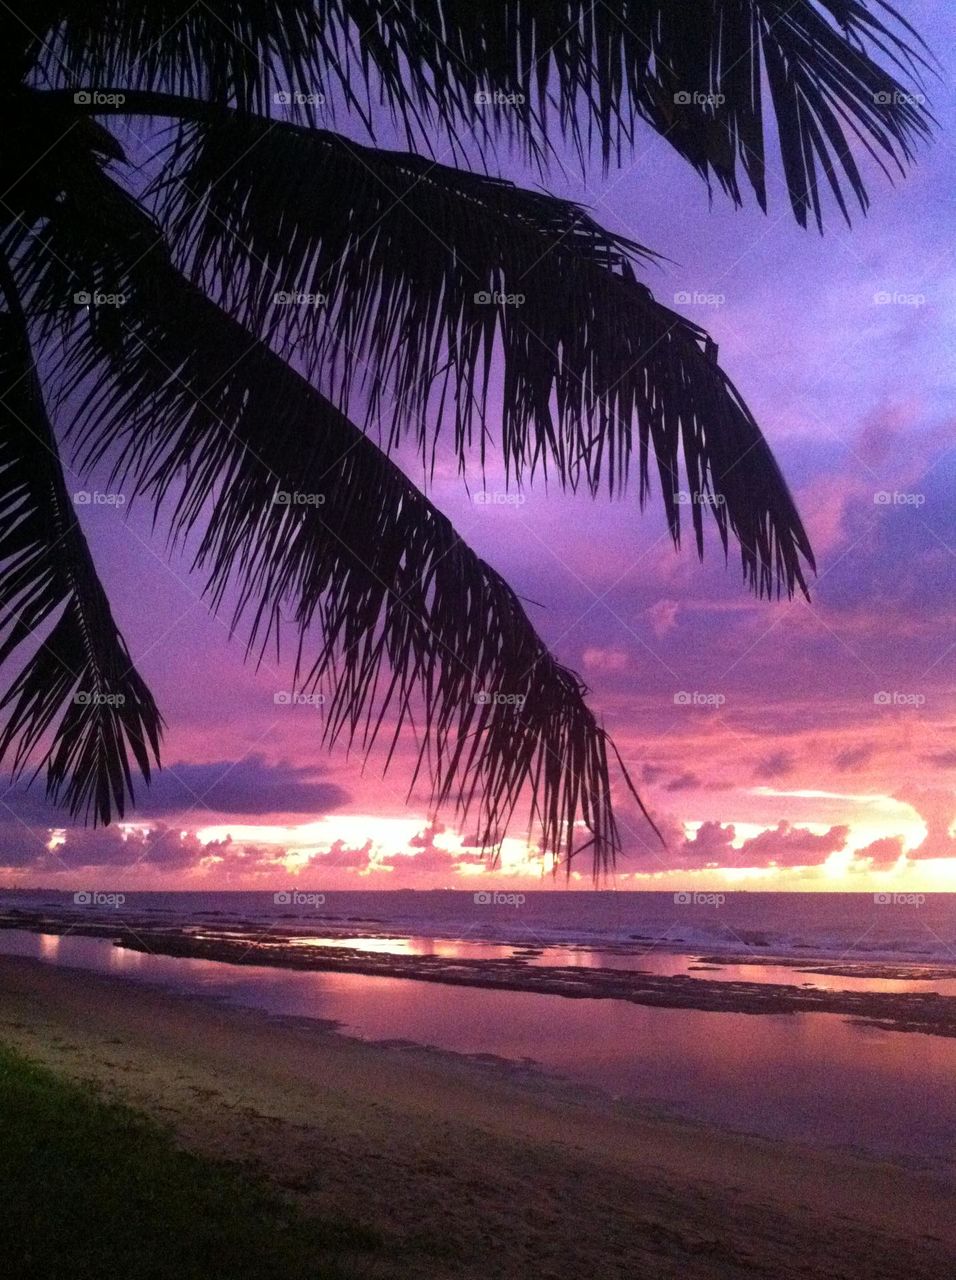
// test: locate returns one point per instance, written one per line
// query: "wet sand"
(473, 1168)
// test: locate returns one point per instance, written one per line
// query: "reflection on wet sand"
(796, 1076)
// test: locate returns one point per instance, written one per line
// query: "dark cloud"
(250, 787)
(684, 782)
(899, 534)
(779, 764)
(852, 758)
(160, 847)
(941, 759)
(710, 844)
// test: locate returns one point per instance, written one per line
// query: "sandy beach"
(472, 1168)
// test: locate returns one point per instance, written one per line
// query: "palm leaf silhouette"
(206, 397)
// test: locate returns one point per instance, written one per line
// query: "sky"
(783, 745)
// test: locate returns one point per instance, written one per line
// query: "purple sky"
(783, 730)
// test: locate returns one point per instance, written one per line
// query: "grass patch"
(93, 1190)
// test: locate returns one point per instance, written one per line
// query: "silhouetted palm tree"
(206, 397)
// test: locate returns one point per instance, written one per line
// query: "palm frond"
(415, 278)
(406, 620)
(78, 691)
(703, 73)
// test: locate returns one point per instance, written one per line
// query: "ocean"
(902, 927)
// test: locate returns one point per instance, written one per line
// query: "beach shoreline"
(532, 1176)
(926, 1013)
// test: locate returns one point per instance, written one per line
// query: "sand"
(472, 1169)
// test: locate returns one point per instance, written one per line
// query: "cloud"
(160, 848)
(609, 660)
(684, 782)
(663, 616)
(249, 787)
(937, 807)
(852, 758)
(941, 759)
(344, 856)
(779, 764)
(427, 856)
(712, 843)
(883, 852)
(790, 846)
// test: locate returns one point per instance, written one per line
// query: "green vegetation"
(91, 1189)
